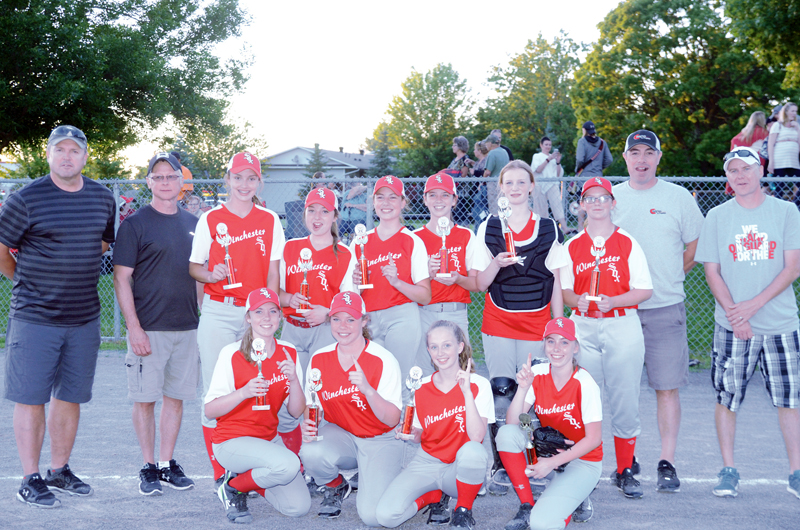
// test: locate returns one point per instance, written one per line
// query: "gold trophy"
(361, 240)
(224, 239)
(413, 383)
(443, 230)
(526, 426)
(597, 250)
(314, 410)
(305, 265)
(504, 212)
(259, 356)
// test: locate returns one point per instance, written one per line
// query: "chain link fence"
(283, 197)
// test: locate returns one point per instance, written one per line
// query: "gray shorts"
(172, 369)
(50, 360)
(666, 349)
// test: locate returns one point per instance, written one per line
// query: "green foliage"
(533, 98)
(317, 162)
(671, 67)
(432, 110)
(114, 68)
(381, 163)
(32, 162)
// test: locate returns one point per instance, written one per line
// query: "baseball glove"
(548, 441)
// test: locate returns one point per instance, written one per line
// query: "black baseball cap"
(589, 126)
(645, 137)
(166, 157)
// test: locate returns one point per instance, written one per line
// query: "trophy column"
(314, 410)
(259, 356)
(412, 383)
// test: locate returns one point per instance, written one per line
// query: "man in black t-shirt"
(53, 333)
(159, 301)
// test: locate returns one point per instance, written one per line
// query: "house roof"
(336, 159)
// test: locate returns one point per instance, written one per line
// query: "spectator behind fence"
(354, 209)
(750, 247)
(53, 331)
(496, 160)
(753, 134)
(193, 206)
(591, 158)
(499, 134)
(784, 148)
(187, 188)
(459, 167)
(480, 204)
(548, 165)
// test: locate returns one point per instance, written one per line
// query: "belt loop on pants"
(600, 314)
(298, 322)
(230, 300)
(444, 307)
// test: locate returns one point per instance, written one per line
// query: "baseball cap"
(391, 182)
(560, 326)
(244, 160)
(67, 132)
(261, 296)
(123, 200)
(166, 157)
(349, 302)
(441, 181)
(747, 154)
(322, 196)
(589, 126)
(595, 182)
(645, 137)
(776, 109)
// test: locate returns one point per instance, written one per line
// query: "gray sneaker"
(627, 484)
(235, 502)
(149, 483)
(728, 485)
(332, 502)
(65, 481)
(583, 512)
(794, 484)
(34, 492)
(174, 477)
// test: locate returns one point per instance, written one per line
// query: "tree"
(432, 110)
(382, 162)
(317, 163)
(114, 68)
(533, 98)
(671, 66)
(32, 162)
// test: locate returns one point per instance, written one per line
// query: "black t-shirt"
(58, 234)
(157, 247)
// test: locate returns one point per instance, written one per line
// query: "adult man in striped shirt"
(61, 223)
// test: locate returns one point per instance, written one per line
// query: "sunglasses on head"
(741, 153)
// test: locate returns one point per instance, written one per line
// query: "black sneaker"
(583, 512)
(636, 469)
(462, 518)
(354, 482)
(500, 477)
(235, 502)
(668, 481)
(331, 506)
(498, 490)
(438, 512)
(522, 520)
(149, 480)
(627, 484)
(314, 489)
(218, 483)
(34, 492)
(65, 481)
(174, 477)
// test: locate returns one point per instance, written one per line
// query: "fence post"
(117, 317)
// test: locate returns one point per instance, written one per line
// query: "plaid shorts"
(734, 362)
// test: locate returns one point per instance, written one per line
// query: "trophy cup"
(305, 265)
(224, 239)
(526, 425)
(412, 383)
(504, 212)
(361, 240)
(597, 250)
(314, 410)
(259, 356)
(443, 230)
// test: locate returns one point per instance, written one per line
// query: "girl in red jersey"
(624, 282)
(245, 440)
(566, 398)
(360, 398)
(521, 296)
(398, 269)
(449, 295)
(453, 407)
(255, 240)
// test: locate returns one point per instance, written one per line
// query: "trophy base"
(593, 298)
(312, 438)
(366, 286)
(519, 260)
(260, 407)
(302, 311)
(405, 436)
(231, 286)
(445, 275)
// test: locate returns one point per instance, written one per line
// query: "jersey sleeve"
(389, 385)
(484, 401)
(278, 238)
(567, 273)
(14, 221)
(347, 280)
(419, 260)
(637, 265)
(222, 382)
(282, 271)
(481, 242)
(791, 237)
(201, 244)
(477, 258)
(591, 403)
(558, 256)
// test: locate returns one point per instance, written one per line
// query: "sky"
(325, 72)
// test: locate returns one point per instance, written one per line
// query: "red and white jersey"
(569, 409)
(342, 402)
(463, 255)
(442, 416)
(410, 257)
(519, 325)
(623, 266)
(330, 274)
(255, 241)
(231, 373)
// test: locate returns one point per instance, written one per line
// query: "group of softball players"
(352, 331)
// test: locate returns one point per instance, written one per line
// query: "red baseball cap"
(560, 326)
(441, 181)
(244, 160)
(391, 182)
(595, 182)
(262, 296)
(322, 196)
(349, 302)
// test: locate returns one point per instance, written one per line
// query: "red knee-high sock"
(335, 482)
(245, 482)
(567, 520)
(293, 440)
(431, 497)
(467, 494)
(515, 464)
(218, 469)
(624, 448)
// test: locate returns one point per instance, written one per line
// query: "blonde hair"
(334, 230)
(246, 346)
(757, 119)
(782, 113)
(516, 164)
(458, 334)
